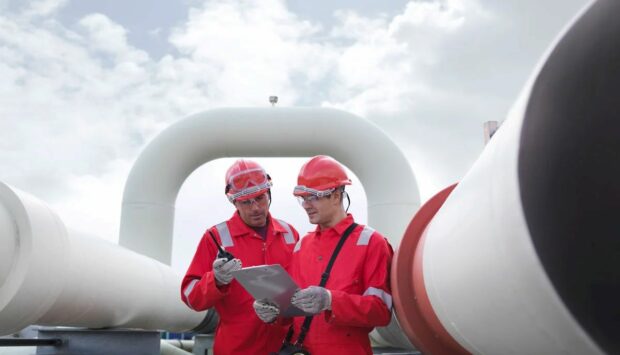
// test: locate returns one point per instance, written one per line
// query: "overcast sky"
(84, 85)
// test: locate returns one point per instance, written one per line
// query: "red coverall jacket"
(359, 284)
(239, 330)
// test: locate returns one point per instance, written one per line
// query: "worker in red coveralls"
(357, 295)
(253, 237)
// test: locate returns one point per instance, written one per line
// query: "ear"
(337, 196)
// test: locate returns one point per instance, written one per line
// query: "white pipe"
(7, 252)
(148, 202)
(22, 350)
(60, 277)
(497, 259)
(166, 348)
(481, 271)
(187, 345)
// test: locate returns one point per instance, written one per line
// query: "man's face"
(321, 210)
(254, 211)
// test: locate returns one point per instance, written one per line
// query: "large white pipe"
(500, 300)
(522, 256)
(53, 276)
(153, 184)
(7, 252)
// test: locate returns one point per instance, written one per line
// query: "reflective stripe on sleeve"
(384, 296)
(297, 246)
(224, 233)
(188, 290)
(288, 236)
(365, 236)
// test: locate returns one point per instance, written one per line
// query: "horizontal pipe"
(61, 277)
(9, 342)
(187, 345)
(167, 348)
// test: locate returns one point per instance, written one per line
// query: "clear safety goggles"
(259, 200)
(243, 179)
(311, 195)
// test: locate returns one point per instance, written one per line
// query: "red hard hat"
(320, 175)
(246, 179)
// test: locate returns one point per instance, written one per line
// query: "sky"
(85, 85)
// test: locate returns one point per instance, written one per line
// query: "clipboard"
(271, 283)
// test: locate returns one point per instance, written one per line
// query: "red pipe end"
(413, 308)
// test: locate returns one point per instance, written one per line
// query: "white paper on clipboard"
(271, 283)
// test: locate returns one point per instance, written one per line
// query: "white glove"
(313, 299)
(222, 268)
(267, 312)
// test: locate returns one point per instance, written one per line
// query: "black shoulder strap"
(306, 325)
(328, 269)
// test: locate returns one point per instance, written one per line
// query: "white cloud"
(110, 38)
(78, 100)
(248, 50)
(65, 111)
(386, 68)
(42, 8)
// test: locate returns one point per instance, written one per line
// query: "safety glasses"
(312, 194)
(259, 200)
(243, 179)
(305, 191)
(307, 199)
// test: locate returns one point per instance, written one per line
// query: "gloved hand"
(267, 312)
(313, 299)
(222, 268)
